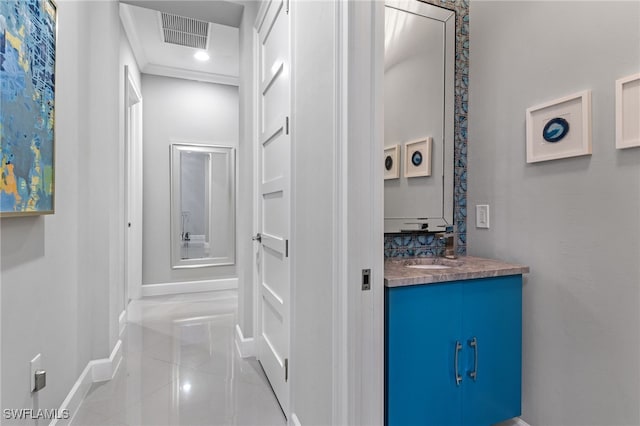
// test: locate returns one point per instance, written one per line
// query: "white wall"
(244, 214)
(183, 110)
(574, 221)
(313, 178)
(58, 272)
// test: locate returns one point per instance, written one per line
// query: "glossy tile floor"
(181, 367)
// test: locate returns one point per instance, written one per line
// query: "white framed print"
(560, 128)
(391, 162)
(628, 112)
(417, 158)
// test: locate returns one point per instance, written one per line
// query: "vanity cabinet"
(437, 336)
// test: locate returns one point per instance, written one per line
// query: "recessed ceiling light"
(201, 55)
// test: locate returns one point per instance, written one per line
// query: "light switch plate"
(35, 364)
(482, 216)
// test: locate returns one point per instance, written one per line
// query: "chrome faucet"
(449, 239)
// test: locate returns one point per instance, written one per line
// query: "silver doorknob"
(257, 237)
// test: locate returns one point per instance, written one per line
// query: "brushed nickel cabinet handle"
(458, 377)
(474, 344)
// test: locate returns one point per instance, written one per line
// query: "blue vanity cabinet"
(423, 326)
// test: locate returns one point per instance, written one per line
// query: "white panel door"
(133, 189)
(274, 204)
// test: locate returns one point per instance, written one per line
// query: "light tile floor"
(181, 367)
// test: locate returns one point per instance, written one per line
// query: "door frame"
(132, 161)
(357, 316)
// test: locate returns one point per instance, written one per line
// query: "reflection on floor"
(180, 367)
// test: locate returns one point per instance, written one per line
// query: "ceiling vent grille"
(184, 31)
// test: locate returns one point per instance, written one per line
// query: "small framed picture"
(391, 163)
(628, 112)
(417, 158)
(560, 128)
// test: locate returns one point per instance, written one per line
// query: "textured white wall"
(183, 110)
(574, 221)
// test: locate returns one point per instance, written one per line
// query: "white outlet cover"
(482, 216)
(36, 364)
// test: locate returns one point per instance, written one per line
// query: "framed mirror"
(419, 76)
(203, 200)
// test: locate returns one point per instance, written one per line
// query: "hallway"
(181, 367)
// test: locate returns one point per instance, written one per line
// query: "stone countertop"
(397, 274)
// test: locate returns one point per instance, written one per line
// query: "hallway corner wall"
(58, 271)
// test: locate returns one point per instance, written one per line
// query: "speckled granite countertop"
(397, 273)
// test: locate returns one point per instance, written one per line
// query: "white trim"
(97, 370)
(340, 302)
(122, 322)
(166, 71)
(104, 369)
(163, 289)
(244, 345)
(294, 420)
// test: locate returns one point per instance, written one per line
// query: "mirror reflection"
(419, 113)
(203, 206)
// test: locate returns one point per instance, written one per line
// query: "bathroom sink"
(431, 263)
(428, 266)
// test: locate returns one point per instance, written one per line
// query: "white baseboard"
(294, 420)
(122, 322)
(244, 345)
(105, 369)
(163, 289)
(97, 370)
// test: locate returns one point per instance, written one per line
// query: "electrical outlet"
(482, 216)
(35, 365)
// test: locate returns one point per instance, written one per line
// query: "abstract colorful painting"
(27, 89)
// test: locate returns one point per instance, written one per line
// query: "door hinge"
(286, 248)
(286, 125)
(286, 369)
(286, 7)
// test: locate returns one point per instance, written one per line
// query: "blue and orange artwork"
(27, 89)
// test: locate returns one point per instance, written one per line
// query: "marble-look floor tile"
(180, 367)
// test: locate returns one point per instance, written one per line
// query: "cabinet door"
(492, 313)
(422, 324)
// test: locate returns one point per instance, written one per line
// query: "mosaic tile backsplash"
(425, 245)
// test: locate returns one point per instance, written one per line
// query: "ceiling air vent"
(184, 31)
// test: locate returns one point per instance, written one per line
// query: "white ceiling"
(143, 28)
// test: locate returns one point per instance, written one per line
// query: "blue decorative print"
(416, 158)
(555, 130)
(388, 162)
(27, 76)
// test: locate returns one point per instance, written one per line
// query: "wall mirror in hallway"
(202, 205)
(419, 75)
